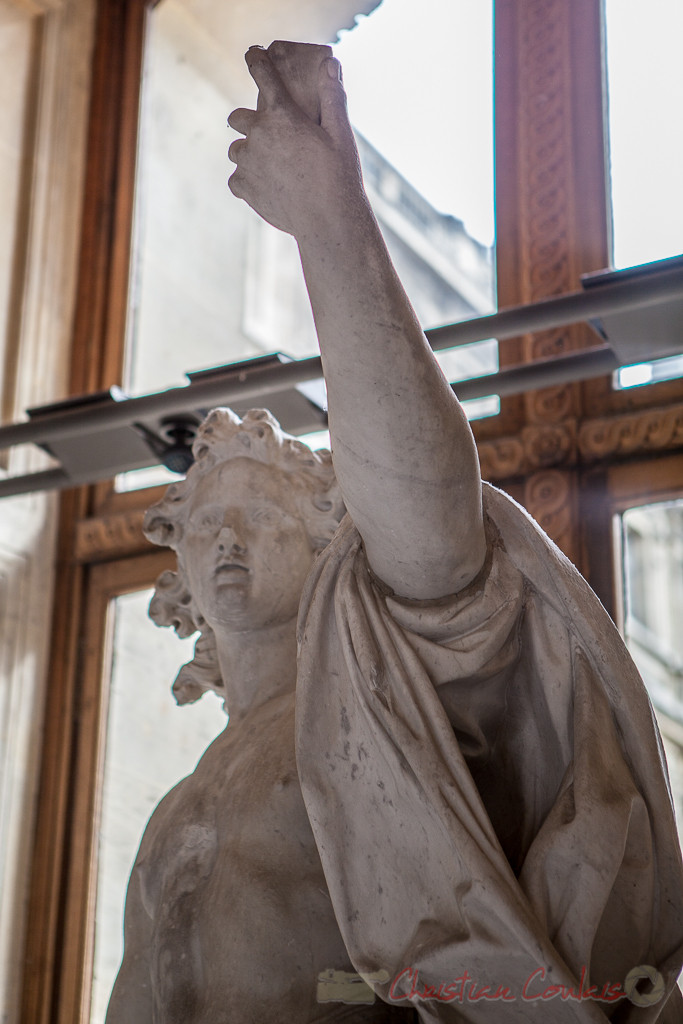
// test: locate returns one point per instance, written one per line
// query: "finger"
(334, 117)
(272, 91)
(237, 185)
(234, 150)
(242, 120)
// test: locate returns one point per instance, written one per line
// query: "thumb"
(334, 116)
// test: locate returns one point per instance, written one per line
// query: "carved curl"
(221, 437)
(172, 604)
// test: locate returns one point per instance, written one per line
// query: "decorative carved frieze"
(110, 536)
(554, 93)
(534, 448)
(648, 431)
(543, 84)
(554, 446)
(550, 497)
(546, 169)
(501, 458)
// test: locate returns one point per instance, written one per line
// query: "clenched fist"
(299, 175)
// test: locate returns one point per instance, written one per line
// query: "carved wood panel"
(605, 438)
(535, 447)
(111, 536)
(551, 498)
(635, 433)
(550, 264)
(550, 157)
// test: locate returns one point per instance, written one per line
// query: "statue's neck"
(256, 666)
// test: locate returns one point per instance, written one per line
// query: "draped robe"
(487, 789)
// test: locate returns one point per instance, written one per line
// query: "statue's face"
(244, 547)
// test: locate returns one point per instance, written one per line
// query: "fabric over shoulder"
(487, 789)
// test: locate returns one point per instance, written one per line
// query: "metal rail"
(245, 384)
(248, 385)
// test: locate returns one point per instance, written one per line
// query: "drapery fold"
(485, 784)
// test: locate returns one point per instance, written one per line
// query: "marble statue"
(228, 917)
(478, 821)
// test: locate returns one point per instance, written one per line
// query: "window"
(151, 744)
(652, 546)
(211, 283)
(645, 84)
(645, 87)
(434, 205)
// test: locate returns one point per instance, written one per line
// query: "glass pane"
(420, 88)
(151, 744)
(431, 186)
(652, 547)
(645, 87)
(211, 283)
(645, 83)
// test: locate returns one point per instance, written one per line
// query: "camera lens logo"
(633, 993)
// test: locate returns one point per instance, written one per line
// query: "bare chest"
(235, 888)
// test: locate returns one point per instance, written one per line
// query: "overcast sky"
(420, 88)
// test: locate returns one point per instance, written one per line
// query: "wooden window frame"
(58, 938)
(73, 901)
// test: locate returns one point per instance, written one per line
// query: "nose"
(229, 542)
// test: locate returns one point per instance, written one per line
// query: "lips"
(230, 570)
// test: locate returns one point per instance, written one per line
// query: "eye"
(207, 522)
(268, 516)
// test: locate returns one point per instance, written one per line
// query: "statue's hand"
(296, 174)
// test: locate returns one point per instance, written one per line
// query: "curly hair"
(221, 437)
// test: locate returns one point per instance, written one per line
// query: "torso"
(231, 878)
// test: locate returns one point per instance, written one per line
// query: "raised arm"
(403, 450)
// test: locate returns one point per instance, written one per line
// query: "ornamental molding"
(111, 536)
(550, 497)
(631, 434)
(547, 264)
(535, 447)
(561, 445)
(545, 94)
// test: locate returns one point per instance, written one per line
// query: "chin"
(230, 607)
